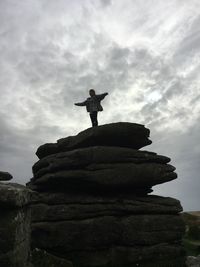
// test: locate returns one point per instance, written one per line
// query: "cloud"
(106, 3)
(184, 150)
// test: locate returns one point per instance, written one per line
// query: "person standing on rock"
(93, 105)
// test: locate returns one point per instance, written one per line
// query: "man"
(93, 105)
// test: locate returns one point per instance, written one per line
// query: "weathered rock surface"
(92, 205)
(14, 225)
(5, 176)
(14, 195)
(122, 134)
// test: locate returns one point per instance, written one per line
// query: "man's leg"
(93, 117)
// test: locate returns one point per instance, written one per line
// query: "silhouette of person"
(93, 105)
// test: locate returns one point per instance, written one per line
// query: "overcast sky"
(144, 53)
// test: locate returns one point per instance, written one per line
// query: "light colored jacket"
(95, 100)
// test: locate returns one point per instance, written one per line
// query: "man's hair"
(92, 91)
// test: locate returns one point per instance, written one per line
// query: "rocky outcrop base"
(108, 230)
(14, 226)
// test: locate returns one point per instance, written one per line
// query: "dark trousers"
(93, 117)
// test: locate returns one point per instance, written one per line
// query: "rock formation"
(93, 207)
(15, 230)
(14, 225)
(5, 176)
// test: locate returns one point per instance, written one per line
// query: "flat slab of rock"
(60, 207)
(108, 177)
(56, 198)
(106, 231)
(82, 158)
(122, 134)
(102, 168)
(5, 176)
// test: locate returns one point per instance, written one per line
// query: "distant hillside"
(196, 214)
(192, 235)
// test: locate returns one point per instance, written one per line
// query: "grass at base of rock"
(192, 247)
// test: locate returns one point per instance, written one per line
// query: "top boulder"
(121, 134)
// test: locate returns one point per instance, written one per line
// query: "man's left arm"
(102, 96)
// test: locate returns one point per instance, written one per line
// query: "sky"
(144, 53)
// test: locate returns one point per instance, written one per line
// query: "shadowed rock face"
(14, 195)
(92, 205)
(14, 225)
(63, 207)
(106, 231)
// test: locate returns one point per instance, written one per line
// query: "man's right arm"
(80, 104)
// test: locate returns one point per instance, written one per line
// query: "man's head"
(92, 92)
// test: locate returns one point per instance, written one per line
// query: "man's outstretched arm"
(102, 96)
(80, 104)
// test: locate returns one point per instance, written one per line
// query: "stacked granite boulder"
(93, 207)
(14, 223)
